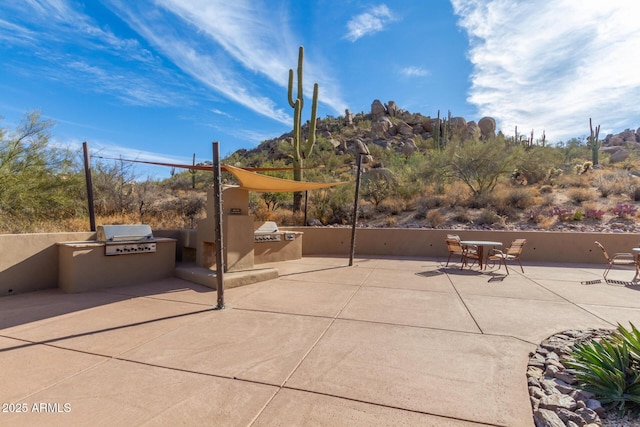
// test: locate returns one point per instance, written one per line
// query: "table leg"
(481, 255)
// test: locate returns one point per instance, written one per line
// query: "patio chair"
(455, 248)
(512, 253)
(620, 258)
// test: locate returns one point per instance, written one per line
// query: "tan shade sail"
(267, 184)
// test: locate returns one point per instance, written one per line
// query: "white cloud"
(220, 45)
(369, 22)
(552, 65)
(414, 71)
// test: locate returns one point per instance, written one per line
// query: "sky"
(160, 80)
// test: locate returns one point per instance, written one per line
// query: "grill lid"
(124, 233)
(267, 227)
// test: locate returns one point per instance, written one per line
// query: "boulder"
(348, 117)
(404, 129)
(616, 140)
(381, 126)
(392, 109)
(409, 147)
(619, 156)
(377, 110)
(487, 127)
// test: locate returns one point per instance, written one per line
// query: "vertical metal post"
(217, 199)
(355, 212)
(87, 175)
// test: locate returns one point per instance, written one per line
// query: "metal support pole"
(217, 199)
(355, 212)
(87, 175)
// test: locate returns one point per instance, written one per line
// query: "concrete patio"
(386, 342)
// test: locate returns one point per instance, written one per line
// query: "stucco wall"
(29, 262)
(540, 247)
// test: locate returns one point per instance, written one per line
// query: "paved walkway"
(385, 342)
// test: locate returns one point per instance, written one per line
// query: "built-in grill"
(267, 232)
(126, 239)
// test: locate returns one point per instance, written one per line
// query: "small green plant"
(610, 369)
(578, 215)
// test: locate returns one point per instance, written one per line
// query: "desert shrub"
(548, 199)
(390, 221)
(546, 189)
(431, 202)
(537, 215)
(612, 183)
(624, 210)
(287, 217)
(580, 195)
(520, 198)
(435, 219)
(366, 211)
(480, 201)
(610, 368)
(595, 214)
(461, 215)
(261, 212)
(487, 217)
(562, 213)
(574, 181)
(455, 194)
(537, 163)
(393, 206)
(480, 164)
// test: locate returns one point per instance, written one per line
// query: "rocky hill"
(392, 128)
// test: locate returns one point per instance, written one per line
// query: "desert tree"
(38, 180)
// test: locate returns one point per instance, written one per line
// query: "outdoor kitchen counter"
(83, 266)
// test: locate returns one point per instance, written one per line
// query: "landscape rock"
(404, 129)
(392, 109)
(377, 110)
(563, 402)
(487, 127)
(546, 418)
(619, 156)
(382, 126)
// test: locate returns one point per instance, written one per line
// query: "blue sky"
(160, 80)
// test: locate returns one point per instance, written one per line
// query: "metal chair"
(455, 248)
(620, 258)
(512, 253)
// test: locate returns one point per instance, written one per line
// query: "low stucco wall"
(29, 262)
(540, 247)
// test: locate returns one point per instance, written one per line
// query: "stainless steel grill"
(267, 232)
(126, 239)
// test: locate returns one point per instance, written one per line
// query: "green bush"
(610, 369)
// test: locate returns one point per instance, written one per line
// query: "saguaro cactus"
(594, 143)
(301, 148)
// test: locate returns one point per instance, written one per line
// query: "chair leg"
(521, 266)
(606, 271)
(504, 261)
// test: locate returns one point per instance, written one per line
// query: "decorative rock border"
(555, 399)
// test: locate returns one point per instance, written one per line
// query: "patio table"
(481, 245)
